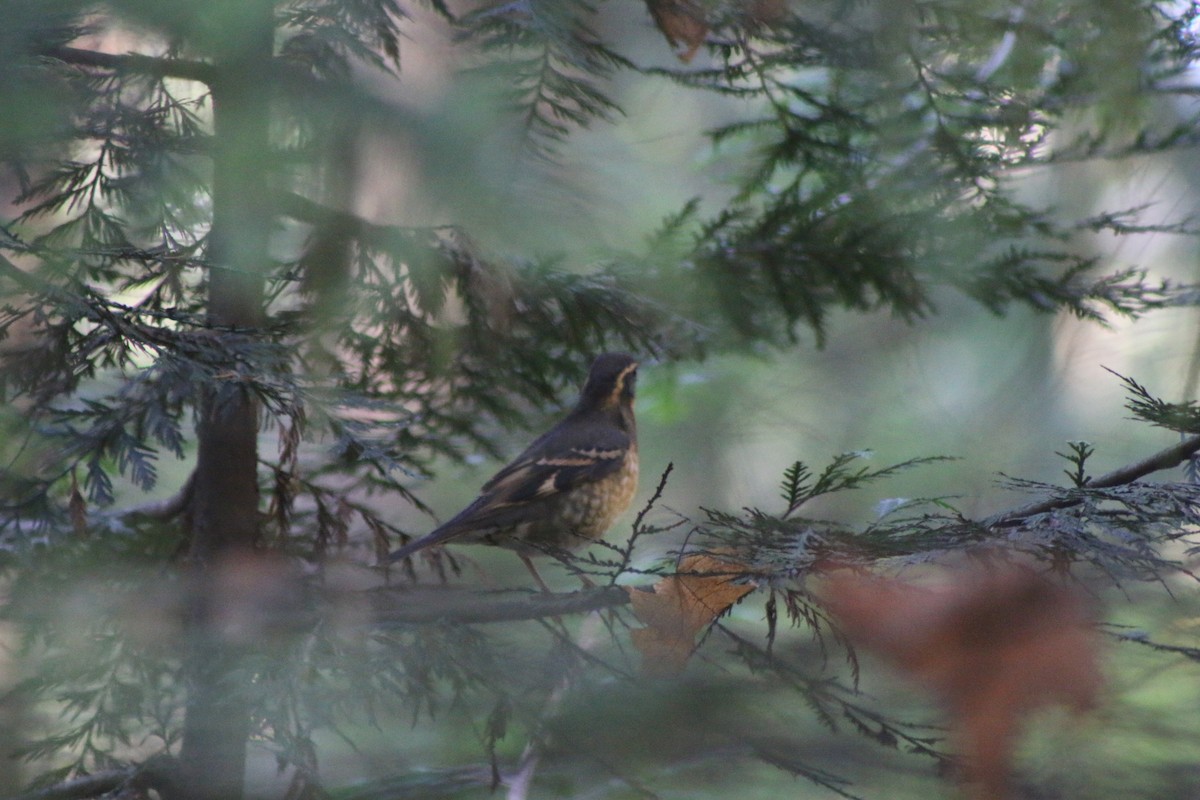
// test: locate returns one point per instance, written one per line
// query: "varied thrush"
(566, 488)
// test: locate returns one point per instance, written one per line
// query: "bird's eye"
(628, 387)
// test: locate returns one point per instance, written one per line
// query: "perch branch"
(412, 606)
(77, 788)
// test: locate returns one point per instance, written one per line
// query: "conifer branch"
(1164, 459)
(311, 212)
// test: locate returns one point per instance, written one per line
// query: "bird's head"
(610, 382)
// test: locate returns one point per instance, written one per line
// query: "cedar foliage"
(882, 139)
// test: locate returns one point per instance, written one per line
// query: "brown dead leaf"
(766, 12)
(681, 606)
(992, 646)
(682, 23)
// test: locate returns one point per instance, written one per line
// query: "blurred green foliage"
(469, 200)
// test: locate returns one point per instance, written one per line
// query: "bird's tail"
(439, 535)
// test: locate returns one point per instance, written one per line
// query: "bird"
(567, 487)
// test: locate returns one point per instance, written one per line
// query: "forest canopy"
(282, 283)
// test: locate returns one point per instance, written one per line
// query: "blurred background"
(1000, 392)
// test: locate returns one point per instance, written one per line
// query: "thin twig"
(654, 498)
(626, 551)
(520, 781)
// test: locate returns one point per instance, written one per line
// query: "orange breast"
(582, 515)
(624, 488)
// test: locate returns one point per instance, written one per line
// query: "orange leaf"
(991, 645)
(681, 606)
(682, 22)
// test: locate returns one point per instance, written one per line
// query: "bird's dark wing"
(565, 457)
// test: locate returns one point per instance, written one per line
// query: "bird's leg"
(533, 571)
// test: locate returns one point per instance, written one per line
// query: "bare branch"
(472, 606)
(77, 788)
(167, 508)
(135, 62)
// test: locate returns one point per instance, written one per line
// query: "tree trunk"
(224, 516)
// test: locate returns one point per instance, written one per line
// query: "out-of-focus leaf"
(992, 645)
